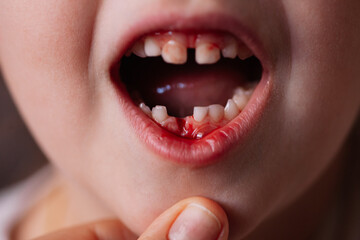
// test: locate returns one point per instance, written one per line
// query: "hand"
(194, 218)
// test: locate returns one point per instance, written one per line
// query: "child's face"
(56, 57)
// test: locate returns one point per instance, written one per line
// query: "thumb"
(193, 218)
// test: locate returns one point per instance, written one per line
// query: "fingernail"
(195, 222)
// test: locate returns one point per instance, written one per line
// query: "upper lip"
(210, 21)
(209, 149)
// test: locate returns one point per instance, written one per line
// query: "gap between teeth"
(174, 49)
(214, 112)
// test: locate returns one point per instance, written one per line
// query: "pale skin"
(54, 56)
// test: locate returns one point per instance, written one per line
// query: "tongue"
(181, 87)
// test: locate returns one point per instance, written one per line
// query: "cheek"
(44, 50)
(320, 98)
(326, 59)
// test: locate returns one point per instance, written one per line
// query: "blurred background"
(19, 154)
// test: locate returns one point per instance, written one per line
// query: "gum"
(189, 128)
(191, 40)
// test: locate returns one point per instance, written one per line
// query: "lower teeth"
(204, 120)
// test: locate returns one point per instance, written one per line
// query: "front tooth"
(174, 52)
(244, 52)
(159, 113)
(207, 53)
(200, 113)
(138, 49)
(152, 49)
(230, 50)
(231, 110)
(216, 112)
(145, 109)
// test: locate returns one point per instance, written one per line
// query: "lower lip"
(196, 152)
(213, 147)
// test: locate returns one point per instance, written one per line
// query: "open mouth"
(190, 84)
(193, 92)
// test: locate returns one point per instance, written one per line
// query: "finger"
(103, 230)
(193, 218)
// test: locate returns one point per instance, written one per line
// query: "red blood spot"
(189, 128)
(212, 46)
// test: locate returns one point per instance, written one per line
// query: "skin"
(113, 229)
(55, 58)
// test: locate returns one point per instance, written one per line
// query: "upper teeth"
(152, 48)
(207, 53)
(174, 52)
(138, 49)
(244, 52)
(230, 49)
(173, 47)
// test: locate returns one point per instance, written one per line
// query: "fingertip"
(214, 210)
(192, 218)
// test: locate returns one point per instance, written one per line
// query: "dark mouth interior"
(181, 87)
